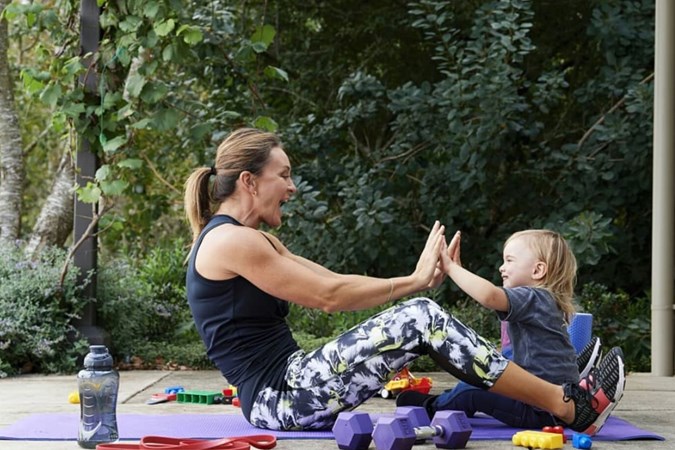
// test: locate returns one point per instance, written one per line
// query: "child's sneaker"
(596, 396)
(414, 398)
(589, 357)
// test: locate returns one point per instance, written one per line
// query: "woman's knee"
(423, 303)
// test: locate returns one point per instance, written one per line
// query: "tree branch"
(413, 151)
(616, 106)
(89, 232)
(36, 141)
(159, 176)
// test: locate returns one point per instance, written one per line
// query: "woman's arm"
(228, 251)
(283, 251)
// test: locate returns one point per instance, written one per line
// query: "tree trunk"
(11, 154)
(55, 222)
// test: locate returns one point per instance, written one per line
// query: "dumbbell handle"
(422, 433)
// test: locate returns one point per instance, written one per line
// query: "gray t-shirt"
(539, 337)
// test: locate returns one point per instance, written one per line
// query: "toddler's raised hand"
(454, 249)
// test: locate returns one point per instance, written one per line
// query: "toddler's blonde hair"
(561, 274)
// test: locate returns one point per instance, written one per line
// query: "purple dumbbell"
(353, 430)
(449, 429)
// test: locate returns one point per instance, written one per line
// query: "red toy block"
(556, 429)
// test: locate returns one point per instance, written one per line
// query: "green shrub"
(482, 320)
(620, 320)
(168, 356)
(309, 342)
(316, 323)
(143, 306)
(36, 334)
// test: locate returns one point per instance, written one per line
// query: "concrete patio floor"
(649, 403)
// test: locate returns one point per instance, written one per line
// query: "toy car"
(405, 381)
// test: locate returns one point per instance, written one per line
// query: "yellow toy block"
(537, 439)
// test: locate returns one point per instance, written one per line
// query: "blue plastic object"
(581, 330)
(580, 440)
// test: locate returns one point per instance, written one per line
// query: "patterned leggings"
(349, 370)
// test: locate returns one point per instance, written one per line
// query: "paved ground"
(649, 402)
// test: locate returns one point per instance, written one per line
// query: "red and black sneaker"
(589, 357)
(596, 396)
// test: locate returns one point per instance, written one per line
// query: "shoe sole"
(604, 415)
(596, 355)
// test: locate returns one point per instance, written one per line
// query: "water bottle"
(98, 384)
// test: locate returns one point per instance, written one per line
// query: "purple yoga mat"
(63, 427)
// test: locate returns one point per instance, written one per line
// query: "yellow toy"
(537, 439)
(74, 397)
(405, 381)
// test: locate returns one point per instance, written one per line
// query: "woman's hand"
(439, 274)
(427, 264)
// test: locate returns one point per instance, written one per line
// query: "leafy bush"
(620, 320)
(36, 333)
(187, 354)
(142, 304)
(512, 119)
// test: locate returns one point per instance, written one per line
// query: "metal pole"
(85, 257)
(663, 225)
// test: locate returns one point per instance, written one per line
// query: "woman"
(240, 281)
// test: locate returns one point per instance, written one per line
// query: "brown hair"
(561, 274)
(246, 149)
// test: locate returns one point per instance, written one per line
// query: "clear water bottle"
(98, 384)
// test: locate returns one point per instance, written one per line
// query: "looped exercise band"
(262, 441)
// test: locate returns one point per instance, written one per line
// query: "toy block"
(229, 395)
(556, 429)
(174, 390)
(581, 440)
(227, 399)
(201, 397)
(537, 439)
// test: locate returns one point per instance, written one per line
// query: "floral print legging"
(352, 368)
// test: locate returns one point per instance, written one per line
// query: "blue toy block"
(580, 440)
(174, 390)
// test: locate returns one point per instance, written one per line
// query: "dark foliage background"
(491, 116)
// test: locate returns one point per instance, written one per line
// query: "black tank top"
(243, 328)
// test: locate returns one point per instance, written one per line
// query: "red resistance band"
(262, 441)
